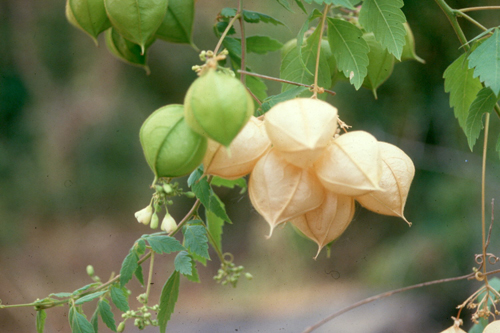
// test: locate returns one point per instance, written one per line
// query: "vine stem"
(316, 71)
(243, 41)
(150, 275)
(283, 81)
(224, 34)
(470, 9)
(483, 192)
(451, 14)
(470, 19)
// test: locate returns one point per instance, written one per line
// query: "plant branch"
(451, 14)
(150, 275)
(283, 81)
(318, 53)
(483, 192)
(243, 41)
(224, 34)
(470, 9)
(470, 19)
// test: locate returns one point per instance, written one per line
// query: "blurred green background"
(72, 174)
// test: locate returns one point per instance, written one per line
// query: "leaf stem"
(318, 53)
(243, 41)
(483, 192)
(470, 9)
(451, 14)
(224, 34)
(283, 81)
(470, 19)
(150, 275)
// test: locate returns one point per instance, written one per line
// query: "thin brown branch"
(318, 53)
(243, 41)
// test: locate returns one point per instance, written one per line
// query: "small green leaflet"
(168, 298)
(164, 244)
(90, 297)
(107, 315)
(94, 321)
(484, 103)
(214, 226)
(462, 86)
(125, 50)
(240, 182)
(262, 44)
(485, 60)
(78, 322)
(129, 266)
(61, 295)
(138, 274)
(385, 19)
(41, 315)
(344, 3)
(88, 15)
(250, 16)
(140, 247)
(300, 36)
(208, 198)
(195, 240)
(284, 96)
(119, 298)
(177, 25)
(82, 289)
(349, 49)
(183, 263)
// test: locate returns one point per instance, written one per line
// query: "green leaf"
(140, 247)
(462, 86)
(485, 60)
(385, 19)
(107, 315)
(95, 319)
(240, 182)
(183, 263)
(300, 36)
(78, 322)
(214, 226)
(136, 20)
(201, 189)
(89, 297)
(129, 266)
(349, 49)
(344, 3)
(195, 175)
(251, 16)
(217, 207)
(41, 315)
(138, 274)
(168, 298)
(88, 15)
(195, 240)
(164, 244)
(194, 277)
(61, 295)
(286, 5)
(119, 298)
(380, 66)
(484, 103)
(301, 6)
(125, 50)
(262, 44)
(177, 25)
(284, 96)
(82, 289)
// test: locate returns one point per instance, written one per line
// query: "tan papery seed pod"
(244, 152)
(280, 191)
(351, 164)
(327, 222)
(454, 329)
(397, 174)
(493, 327)
(301, 128)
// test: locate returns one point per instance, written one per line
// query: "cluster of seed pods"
(303, 172)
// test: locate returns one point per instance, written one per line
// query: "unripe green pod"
(171, 148)
(218, 106)
(380, 66)
(409, 47)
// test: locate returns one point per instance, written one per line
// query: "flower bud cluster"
(230, 273)
(142, 317)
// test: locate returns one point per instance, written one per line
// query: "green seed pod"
(409, 47)
(218, 106)
(121, 327)
(125, 50)
(171, 148)
(88, 16)
(90, 270)
(380, 66)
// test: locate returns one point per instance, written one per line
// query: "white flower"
(144, 215)
(168, 224)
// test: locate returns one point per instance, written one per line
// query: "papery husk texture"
(351, 164)
(454, 329)
(327, 222)
(397, 174)
(493, 327)
(280, 191)
(243, 153)
(301, 128)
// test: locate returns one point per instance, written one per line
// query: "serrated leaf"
(201, 189)
(138, 274)
(385, 19)
(285, 4)
(168, 298)
(219, 28)
(183, 263)
(90, 297)
(82, 289)
(343, 3)
(484, 103)
(214, 226)
(140, 247)
(194, 277)
(88, 15)
(94, 320)
(380, 66)
(107, 315)
(41, 315)
(136, 20)
(195, 240)
(300, 35)
(217, 207)
(240, 182)
(284, 96)
(349, 49)
(262, 44)
(251, 16)
(462, 86)
(119, 298)
(78, 322)
(61, 295)
(129, 266)
(177, 25)
(164, 244)
(125, 50)
(485, 60)
(195, 175)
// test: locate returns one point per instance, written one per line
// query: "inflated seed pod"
(351, 164)
(218, 106)
(243, 153)
(456, 329)
(493, 327)
(301, 128)
(171, 148)
(280, 191)
(397, 174)
(327, 222)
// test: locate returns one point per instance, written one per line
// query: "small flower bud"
(168, 224)
(248, 276)
(90, 270)
(167, 188)
(121, 327)
(154, 221)
(190, 194)
(144, 215)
